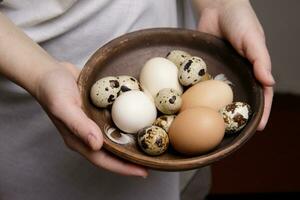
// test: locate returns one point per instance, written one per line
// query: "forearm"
(21, 59)
(203, 4)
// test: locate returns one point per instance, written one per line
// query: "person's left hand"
(236, 21)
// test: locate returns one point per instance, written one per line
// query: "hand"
(57, 92)
(236, 21)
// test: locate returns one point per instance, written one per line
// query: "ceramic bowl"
(127, 54)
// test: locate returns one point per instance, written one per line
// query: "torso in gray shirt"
(34, 162)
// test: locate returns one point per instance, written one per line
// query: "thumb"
(80, 125)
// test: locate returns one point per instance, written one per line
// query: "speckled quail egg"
(128, 83)
(164, 121)
(168, 101)
(192, 71)
(104, 91)
(178, 57)
(235, 116)
(153, 140)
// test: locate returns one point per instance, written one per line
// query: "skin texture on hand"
(54, 85)
(58, 94)
(236, 21)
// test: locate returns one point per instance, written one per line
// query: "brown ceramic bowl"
(127, 54)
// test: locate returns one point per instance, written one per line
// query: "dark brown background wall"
(270, 161)
(280, 19)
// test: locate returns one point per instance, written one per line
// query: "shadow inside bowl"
(127, 54)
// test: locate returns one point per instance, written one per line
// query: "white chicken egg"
(159, 73)
(132, 111)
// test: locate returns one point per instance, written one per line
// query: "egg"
(105, 91)
(132, 111)
(235, 116)
(164, 121)
(168, 101)
(147, 93)
(178, 57)
(196, 130)
(192, 71)
(159, 73)
(212, 93)
(153, 140)
(128, 83)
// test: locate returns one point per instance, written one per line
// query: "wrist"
(21, 59)
(41, 76)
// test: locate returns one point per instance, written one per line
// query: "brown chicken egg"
(196, 130)
(212, 93)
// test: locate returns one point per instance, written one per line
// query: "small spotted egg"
(128, 83)
(164, 121)
(178, 57)
(168, 101)
(104, 91)
(192, 71)
(153, 140)
(235, 116)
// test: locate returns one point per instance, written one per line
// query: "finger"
(256, 51)
(107, 161)
(79, 124)
(268, 93)
(103, 159)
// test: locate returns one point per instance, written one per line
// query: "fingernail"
(142, 174)
(91, 139)
(271, 78)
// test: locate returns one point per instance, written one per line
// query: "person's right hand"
(58, 94)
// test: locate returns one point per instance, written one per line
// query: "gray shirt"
(34, 162)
